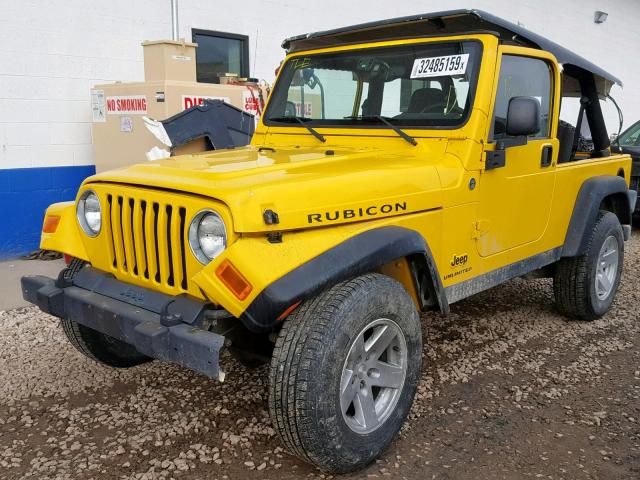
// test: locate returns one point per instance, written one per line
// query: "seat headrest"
(425, 99)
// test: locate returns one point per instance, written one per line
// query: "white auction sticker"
(440, 66)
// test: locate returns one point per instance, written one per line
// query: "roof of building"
(449, 22)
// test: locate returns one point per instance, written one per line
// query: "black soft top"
(450, 22)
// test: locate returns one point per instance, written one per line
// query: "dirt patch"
(510, 389)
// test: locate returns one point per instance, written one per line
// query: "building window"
(219, 53)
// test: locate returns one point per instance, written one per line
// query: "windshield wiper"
(301, 121)
(384, 120)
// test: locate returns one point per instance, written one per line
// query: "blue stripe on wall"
(25, 194)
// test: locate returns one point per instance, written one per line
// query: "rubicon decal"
(362, 212)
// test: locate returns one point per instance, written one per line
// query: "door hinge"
(495, 159)
(480, 227)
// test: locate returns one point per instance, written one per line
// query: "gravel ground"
(510, 390)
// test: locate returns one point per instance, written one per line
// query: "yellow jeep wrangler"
(399, 167)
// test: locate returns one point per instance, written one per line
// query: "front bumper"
(160, 326)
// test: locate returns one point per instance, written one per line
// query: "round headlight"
(207, 236)
(89, 213)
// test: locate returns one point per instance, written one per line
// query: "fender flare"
(585, 210)
(355, 256)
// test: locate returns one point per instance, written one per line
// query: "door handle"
(547, 156)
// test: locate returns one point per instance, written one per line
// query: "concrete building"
(52, 53)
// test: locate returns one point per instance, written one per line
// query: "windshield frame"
(368, 124)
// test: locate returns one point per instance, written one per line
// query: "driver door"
(515, 197)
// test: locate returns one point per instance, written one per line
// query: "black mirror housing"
(523, 116)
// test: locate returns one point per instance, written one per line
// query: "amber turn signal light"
(51, 224)
(233, 279)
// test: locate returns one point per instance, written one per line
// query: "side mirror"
(290, 109)
(523, 117)
(309, 78)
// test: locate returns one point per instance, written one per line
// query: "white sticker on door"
(440, 66)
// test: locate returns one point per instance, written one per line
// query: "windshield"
(631, 138)
(422, 85)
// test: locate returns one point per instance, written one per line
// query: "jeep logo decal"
(362, 212)
(459, 260)
(132, 295)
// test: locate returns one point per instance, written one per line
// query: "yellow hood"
(304, 186)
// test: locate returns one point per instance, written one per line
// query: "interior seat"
(566, 134)
(426, 100)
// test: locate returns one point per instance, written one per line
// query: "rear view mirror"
(523, 116)
(290, 109)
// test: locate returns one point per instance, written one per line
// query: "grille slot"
(169, 212)
(183, 219)
(112, 246)
(147, 240)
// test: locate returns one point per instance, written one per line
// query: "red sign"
(251, 103)
(189, 101)
(130, 104)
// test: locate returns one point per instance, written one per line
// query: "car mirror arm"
(496, 158)
(511, 142)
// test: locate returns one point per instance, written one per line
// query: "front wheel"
(102, 348)
(344, 372)
(585, 286)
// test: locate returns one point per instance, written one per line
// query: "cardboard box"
(119, 135)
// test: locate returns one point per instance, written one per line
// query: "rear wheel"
(344, 372)
(585, 286)
(102, 348)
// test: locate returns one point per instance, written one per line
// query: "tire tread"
(299, 345)
(571, 283)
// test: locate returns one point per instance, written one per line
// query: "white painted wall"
(52, 52)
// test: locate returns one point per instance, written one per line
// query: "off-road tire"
(307, 365)
(102, 348)
(574, 278)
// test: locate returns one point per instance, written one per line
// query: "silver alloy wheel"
(373, 375)
(607, 267)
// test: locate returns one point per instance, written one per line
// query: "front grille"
(147, 240)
